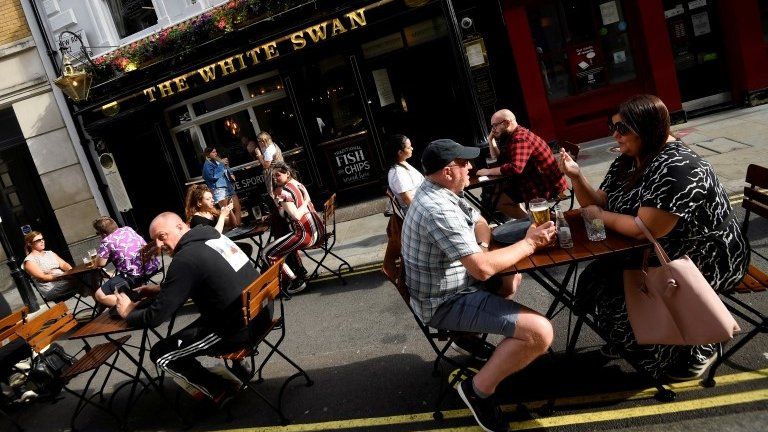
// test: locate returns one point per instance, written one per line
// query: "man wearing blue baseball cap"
(450, 275)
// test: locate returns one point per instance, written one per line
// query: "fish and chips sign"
(256, 55)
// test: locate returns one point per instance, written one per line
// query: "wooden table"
(108, 327)
(478, 183)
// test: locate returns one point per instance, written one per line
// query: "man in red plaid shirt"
(527, 160)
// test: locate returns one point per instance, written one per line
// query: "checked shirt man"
(450, 275)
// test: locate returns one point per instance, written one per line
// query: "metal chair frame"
(327, 242)
(8, 327)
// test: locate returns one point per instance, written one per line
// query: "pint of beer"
(539, 211)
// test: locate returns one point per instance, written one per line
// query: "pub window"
(225, 117)
(581, 45)
(131, 16)
(764, 13)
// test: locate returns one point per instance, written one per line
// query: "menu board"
(350, 162)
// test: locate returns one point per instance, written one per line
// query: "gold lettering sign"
(298, 40)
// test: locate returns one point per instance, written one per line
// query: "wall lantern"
(75, 83)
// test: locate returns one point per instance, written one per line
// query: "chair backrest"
(47, 327)
(257, 295)
(10, 325)
(755, 200)
(329, 214)
(393, 267)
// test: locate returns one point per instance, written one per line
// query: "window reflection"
(131, 16)
(334, 104)
(224, 134)
(580, 48)
(217, 102)
(279, 120)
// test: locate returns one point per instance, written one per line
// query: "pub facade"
(329, 80)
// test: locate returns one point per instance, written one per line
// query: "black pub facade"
(329, 80)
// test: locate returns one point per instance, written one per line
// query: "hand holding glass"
(539, 211)
(593, 222)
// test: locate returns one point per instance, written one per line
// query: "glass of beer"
(539, 210)
(92, 255)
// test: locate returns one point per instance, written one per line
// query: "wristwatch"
(482, 244)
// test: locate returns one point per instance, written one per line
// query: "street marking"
(658, 408)
(627, 413)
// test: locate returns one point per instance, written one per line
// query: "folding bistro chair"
(256, 297)
(79, 299)
(755, 281)
(440, 340)
(53, 325)
(8, 327)
(327, 242)
(573, 150)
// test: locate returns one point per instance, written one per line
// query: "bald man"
(211, 270)
(527, 160)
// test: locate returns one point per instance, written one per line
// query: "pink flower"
(222, 23)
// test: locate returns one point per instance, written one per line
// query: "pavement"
(729, 140)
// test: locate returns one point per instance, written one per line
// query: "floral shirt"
(122, 248)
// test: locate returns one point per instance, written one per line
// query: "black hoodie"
(209, 268)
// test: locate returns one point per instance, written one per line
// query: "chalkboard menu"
(249, 178)
(349, 159)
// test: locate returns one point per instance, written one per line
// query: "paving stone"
(722, 145)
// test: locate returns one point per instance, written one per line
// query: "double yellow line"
(654, 409)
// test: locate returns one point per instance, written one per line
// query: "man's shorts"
(112, 283)
(477, 312)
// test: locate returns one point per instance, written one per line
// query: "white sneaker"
(296, 286)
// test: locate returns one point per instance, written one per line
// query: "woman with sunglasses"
(679, 198)
(45, 267)
(306, 226)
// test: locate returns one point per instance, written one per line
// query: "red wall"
(746, 50)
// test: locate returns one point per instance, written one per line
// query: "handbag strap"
(660, 252)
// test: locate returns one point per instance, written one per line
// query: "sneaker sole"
(472, 410)
(462, 351)
(701, 370)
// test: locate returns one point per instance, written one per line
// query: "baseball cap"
(441, 152)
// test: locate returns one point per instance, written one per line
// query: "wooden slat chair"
(54, 324)
(440, 340)
(755, 280)
(573, 150)
(257, 296)
(8, 327)
(327, 242)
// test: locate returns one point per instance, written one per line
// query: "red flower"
(221, 24)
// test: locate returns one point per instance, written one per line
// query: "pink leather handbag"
(674, 304)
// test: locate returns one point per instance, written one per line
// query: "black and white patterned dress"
(677, 181)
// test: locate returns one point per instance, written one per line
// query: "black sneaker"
(486, 411)
(296, 286)
(474, 346)
(691, 370)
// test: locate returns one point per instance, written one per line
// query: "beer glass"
(92, 256)
(539, 210)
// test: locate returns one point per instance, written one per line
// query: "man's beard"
(503, 135)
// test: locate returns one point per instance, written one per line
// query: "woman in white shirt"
(402, 177)
(266, 153)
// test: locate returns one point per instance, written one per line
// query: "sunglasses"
(38, 240)
(619, 127)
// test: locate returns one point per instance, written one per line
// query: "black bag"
(47, 369)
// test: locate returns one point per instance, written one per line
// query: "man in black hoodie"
(211, 270)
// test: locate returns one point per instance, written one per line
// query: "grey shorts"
(477, 312)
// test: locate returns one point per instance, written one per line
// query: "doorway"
(697, 46)
(24, 205)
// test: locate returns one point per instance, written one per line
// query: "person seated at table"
(453, 277)
(306, 226)
(122, 247)
(402, 177)
(46, 267)
(528, 162)
(219, 180)
(680, 199)
(200, 211)
(208, 268)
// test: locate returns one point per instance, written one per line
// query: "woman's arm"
(223, 216)
(658, 222)
(62, 264)
(291, 210)
(407, 196)
(36, 272)
(585, 193)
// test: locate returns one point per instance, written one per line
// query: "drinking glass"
(87, 261)
(539, 210)
(593, 222)
(92, 255)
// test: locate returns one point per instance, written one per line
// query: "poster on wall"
(700, 23)
(609, 13)
(350, 161)
(587, 66)
(383, 87)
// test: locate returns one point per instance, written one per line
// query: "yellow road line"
(567, 401)
(368, 268)
(644, 411)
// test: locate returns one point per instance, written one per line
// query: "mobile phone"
(125, 289)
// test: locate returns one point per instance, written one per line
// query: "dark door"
(24, 204)
(697, 44)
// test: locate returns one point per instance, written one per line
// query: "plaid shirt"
(438, 231)
(530, 162)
